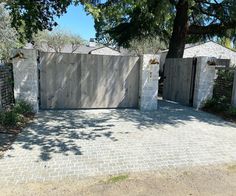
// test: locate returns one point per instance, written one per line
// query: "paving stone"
(83, 143)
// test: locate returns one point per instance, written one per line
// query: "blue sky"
(77, 22)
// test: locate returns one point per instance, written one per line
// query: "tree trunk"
(179, 34)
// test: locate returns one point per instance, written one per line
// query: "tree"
(29, 17)
(147, 46)
(175, 21)
(56, 40)
(228, 40)
(8, 35)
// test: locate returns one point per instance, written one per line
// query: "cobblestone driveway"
(99, 142)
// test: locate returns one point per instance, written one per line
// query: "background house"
(210, 49)
(91, 48)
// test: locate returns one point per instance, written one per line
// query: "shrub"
(216, 105)
(210, 103)
(14, 116)
(223, 86)
(221, 101)
(10, 118)
(22, 107)
(232, 111)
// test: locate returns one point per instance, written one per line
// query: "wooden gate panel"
(178, 79)
(71, 81)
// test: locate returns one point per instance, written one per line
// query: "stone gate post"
(25, 73)
(204, 81)
(149, 76)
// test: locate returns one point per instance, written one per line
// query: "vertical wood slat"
(73, 81)
(178, 78)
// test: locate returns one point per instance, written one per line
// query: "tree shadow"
(63, 131)
(168, 113)
(6, 141)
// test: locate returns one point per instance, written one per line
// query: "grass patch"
(115, 179)
(232, 168)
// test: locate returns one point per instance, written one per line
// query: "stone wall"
(6, 86)
(149, 76)
(26, 76)
(204, 82)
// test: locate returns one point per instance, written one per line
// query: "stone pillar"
(149, 76)
(204, 82)
(233, 102)
(25, 73)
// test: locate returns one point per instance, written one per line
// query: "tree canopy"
(121, 21)
(8, 35)
(174, 21)
(149, 45)
(29, 17)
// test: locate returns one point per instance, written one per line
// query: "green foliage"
(10, 118)
(126, 20)
(217, 105)
(29, 17)
(221, 101)
(147, 46)
(119, 178)
(15, 115)
(232, 111)
(118, 22)
(22, 107)
(210, 103)
(223, 86)
(8, 35)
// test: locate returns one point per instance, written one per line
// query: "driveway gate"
(73, 81)
(179, 79)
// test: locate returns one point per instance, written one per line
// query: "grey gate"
(179, 78)
(73, 81)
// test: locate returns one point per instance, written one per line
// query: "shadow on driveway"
(63, 131)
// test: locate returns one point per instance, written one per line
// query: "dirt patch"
(220, 180)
